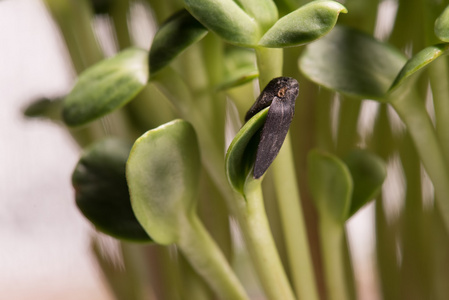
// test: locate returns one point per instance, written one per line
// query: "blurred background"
(45, 249)
(44, 240)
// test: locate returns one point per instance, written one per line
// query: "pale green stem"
(137, 276)
(347, 124)
(323, 120)
(119, 13)
(164, 270)
(269, 62)
(74, 20)
(207, 259)
(295, 232)
(387, 258)
(193, 286)
(332, 248)
(254, 224)
(413, 113)
(439, 73)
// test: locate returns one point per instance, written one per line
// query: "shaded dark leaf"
(102, 193)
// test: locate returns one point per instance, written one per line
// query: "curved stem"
(207, 259)
(413, 113)
(261, 246)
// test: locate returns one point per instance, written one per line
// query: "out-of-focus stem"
(332, 246)
(439, 73)
(413, 113)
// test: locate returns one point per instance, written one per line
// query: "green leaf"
(368, 173)
(264, 11)
(174, 36)
(227, 19)
(106, 86)
(101, 190)
(442, 25)
(417, 63)
(352, 63)
(45, 108)
(331, 185)
(242, 151)
(163, 175)
(306, 24)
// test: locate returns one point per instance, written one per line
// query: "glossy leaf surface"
(242, 151)
(418, 62)
(227, 19)
(368, 172)
(163, 175)
(330, 184)
(101, 190)
(306, 24)
(174, 36)
(442, 25)
(106, 86)
(352, 63)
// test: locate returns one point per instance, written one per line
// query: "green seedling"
(355, 64)
(339, 189)
(280, 94)
(163, 175)
(331, 187)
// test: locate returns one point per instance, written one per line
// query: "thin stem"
(207, 259)
(347, 124)
(324, 138)
(332, 248)
(413, 113)
(74, 20)
(180, 95)
(293, 224)
(137, 275)
(165, 275)
(439, 72)
(269, 62)
(193, 286)
(119, 13)
(261, 246)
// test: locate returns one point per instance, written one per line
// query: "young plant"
(176, 101)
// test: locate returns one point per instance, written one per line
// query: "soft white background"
(44, 240)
